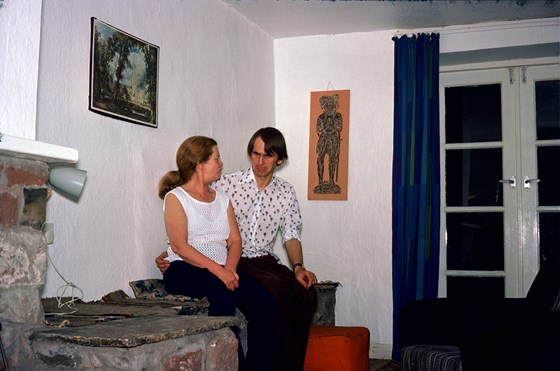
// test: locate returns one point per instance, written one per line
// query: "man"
(264, 205)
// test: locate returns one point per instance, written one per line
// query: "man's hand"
(295, 254)
(305, 277)
(161, 262)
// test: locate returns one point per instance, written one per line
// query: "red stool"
(337, 348)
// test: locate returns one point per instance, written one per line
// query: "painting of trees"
(124, 72)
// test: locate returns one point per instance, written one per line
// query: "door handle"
(510, 181)
(527, 182)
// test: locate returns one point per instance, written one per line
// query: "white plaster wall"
(20, 26)
(215, 78)
(345, 241)
(350, 241)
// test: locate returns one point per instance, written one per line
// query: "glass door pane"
(475, 241)
(473, 177)
(473, 114)
(547, 102)
(548, 175)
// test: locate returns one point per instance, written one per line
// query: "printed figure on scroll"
(329, 127)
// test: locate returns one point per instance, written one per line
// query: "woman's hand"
(229, 278)
(161, 262)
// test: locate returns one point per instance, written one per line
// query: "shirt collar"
(249, 177)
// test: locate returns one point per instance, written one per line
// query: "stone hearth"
(153, 342)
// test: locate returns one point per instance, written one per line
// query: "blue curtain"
(416, 176)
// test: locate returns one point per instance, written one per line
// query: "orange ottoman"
(337, 348)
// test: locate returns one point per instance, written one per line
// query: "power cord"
(71, 303)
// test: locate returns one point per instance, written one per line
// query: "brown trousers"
(296, 304)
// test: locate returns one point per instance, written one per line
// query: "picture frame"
(123, 85)
(329, 124)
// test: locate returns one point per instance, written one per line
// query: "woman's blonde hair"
(193, 151)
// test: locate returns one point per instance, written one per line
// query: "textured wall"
(345, 241)
(215, 78)
(20, 25)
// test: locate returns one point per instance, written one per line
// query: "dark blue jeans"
(257, 305)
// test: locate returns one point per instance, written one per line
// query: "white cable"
(70, 303)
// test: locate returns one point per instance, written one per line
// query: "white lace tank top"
(208, 226)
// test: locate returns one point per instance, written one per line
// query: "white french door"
(500, 147)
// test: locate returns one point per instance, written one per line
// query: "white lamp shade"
(67, 180)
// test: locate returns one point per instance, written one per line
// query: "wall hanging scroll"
(328, 145)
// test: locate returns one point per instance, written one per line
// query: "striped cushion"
(425, 357)
(556, 303)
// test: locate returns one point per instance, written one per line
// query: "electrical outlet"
(48, 233)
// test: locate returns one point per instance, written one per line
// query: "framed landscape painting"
(123, 75)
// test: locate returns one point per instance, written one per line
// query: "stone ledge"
(136, 331)
(214, 350)
(326, 286)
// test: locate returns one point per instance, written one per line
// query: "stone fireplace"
(24, 170)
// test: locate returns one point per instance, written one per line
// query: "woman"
(204, 247)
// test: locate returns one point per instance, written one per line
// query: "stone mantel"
(35, 150)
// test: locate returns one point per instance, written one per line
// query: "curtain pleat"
(416, 175)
